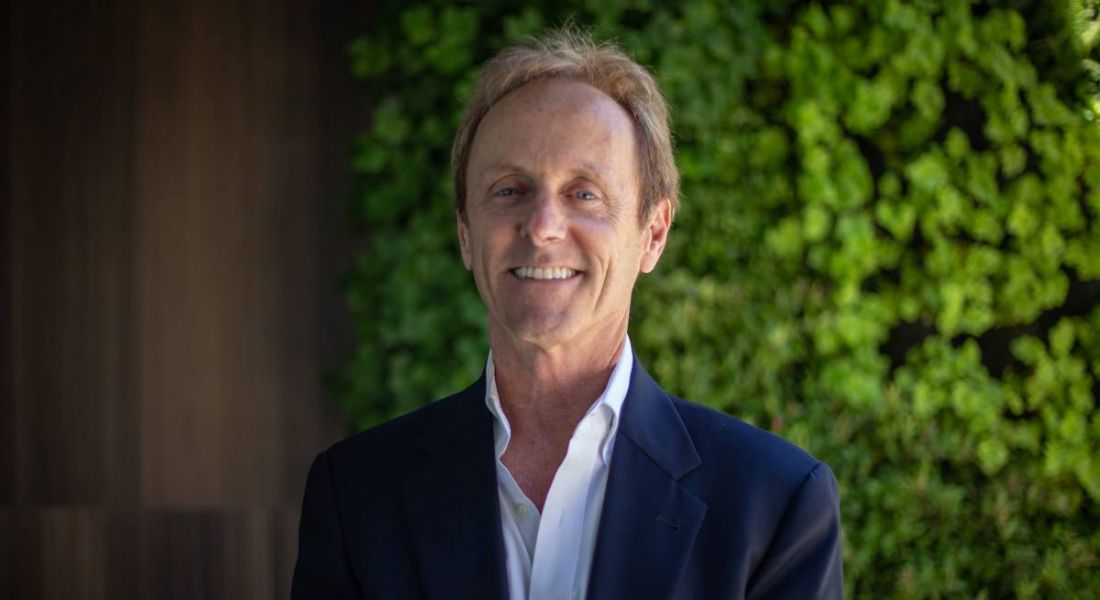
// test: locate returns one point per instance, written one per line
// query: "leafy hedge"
(888, 252)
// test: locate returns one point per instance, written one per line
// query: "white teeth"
(541, 273)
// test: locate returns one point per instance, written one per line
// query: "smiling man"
(565, 471)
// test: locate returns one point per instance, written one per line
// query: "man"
(566, 471)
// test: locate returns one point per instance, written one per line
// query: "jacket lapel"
(452, 506)
(649, 521)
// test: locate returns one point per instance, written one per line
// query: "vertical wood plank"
(126, 555)
(184, 558)
(317, 328)
(21, 554)
(9, 429)
(70, 245)
(71, 542)
(209, 291)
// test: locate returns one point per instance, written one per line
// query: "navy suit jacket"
(698, 505)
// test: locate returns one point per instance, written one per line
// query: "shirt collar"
(611, 401)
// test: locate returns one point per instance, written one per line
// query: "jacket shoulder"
(731, 446)
(397, 444)
(769, 501)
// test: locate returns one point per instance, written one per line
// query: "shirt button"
(521, 510)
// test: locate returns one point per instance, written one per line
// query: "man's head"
(568, 54)
(557, 212)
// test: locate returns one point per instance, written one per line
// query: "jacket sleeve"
(322, 569)
(804, 558)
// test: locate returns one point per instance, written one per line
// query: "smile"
(543, 273)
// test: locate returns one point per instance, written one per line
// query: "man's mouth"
(545, 273)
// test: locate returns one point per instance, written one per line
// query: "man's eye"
(507, 192)
(586, 195)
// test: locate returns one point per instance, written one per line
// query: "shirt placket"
(561, 529)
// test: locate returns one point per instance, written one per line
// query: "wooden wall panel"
(70, 250)
(227, 177)
(173, 190)
(94, 553)
(70, 543)
(8, 436)
(314, 186)
(207, 352)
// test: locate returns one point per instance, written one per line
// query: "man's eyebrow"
(593, 170)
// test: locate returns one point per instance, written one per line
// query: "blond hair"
(569, 53)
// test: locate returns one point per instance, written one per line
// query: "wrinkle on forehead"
(584, 168)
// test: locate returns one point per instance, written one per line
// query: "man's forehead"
(561, 98)
(562, 112)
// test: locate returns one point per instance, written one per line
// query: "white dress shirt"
(548, 555)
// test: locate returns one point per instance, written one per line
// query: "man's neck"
(545, 392)
(544, 395)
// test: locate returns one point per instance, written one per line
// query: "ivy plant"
(888, 252)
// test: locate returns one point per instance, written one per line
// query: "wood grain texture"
(174, 182)
(70, 247)
(95, 553)
(8, 436)
(228, 341)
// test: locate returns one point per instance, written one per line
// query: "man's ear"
(463, 239)
(656, 234)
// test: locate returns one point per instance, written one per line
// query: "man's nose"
(545, 222)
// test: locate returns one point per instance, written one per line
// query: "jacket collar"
(649, 521)
(655, 427)
(451, 504)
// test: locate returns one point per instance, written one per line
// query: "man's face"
(553, 233)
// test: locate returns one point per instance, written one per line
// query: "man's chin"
(544, 330)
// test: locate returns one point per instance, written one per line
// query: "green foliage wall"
(888, 252)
